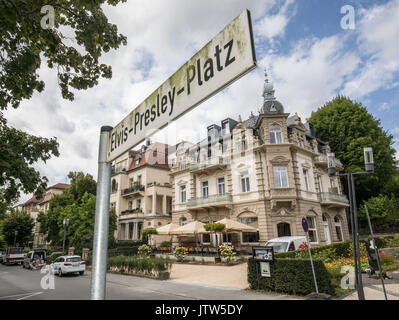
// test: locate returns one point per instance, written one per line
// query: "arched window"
(276, 136)
(283, 229)
(114, 186)
(183, 221)
(338, 228)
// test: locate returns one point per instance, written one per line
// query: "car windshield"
(278, 246)
(15, 250)
(74, 259)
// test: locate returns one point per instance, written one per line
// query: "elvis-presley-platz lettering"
(228, 56)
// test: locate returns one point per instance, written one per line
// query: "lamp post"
(369, 167)
(15, 237)
(65, 224)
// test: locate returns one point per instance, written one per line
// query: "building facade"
(141, 192)
(268, 171)
(33, 206)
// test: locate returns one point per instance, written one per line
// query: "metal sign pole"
(311, 262)
(376, 252)
(100, 245)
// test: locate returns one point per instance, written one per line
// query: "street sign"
(227, 57)
(305, 224)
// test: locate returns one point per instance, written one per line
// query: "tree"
(383, 211)
(24, 43)
(392, 186)
(146, 232)
(348, 128)
(18, 151)
(80, 184)
(19, 221)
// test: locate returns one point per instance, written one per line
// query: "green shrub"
(139, 264)
(292, 276)
(128, 243)
(51, 257)
(146, 232)
(165, 244)
(126, 251)
(144, 250)
(179, 253)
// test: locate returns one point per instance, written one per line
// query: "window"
(139, 179)
(205, 192)
(275, 135)
(183, 221)
(159, 223)
(305, 175)
(238, 145)
(206, 238)
(138, 203)
(244, 143)
(312, 230)
(280, 177)
(338, 228)
(130, 205)
(283, 229)
(248, 237)
(183, 194)
(131, 180)
(291, 247)
(332, 182)
(226, 238)
(244, 179)
(221, 189)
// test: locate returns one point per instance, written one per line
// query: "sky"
(309, 56)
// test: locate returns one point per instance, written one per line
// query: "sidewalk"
(225, 276)
(373, 288)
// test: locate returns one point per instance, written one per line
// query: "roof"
(155, 155)
(60, 186)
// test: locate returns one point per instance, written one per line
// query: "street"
(17, 283)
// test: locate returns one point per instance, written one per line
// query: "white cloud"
(377, 31)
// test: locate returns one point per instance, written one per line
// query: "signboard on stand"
(264, 257)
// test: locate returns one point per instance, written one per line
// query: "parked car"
(1, 257)
(285, 244)
(35, 259)
(13, 256)
(68, 264)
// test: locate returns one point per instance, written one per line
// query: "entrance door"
(326, 230)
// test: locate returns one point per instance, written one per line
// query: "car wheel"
(81, 273)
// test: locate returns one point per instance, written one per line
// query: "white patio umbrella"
(191, 228)
(235, 226)
(168, 229)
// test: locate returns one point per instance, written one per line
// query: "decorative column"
(154, 202)
(135, 231)
(126, 231)
(164, 210)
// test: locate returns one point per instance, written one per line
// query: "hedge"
(126, 251)
(128, 243)
(292, 276)
(139, 265)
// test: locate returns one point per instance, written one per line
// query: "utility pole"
(65, 224)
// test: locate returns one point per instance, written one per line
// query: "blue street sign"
(305, 224)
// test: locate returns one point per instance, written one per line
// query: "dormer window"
(276, 136)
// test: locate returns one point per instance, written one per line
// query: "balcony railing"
(209, 200)
(322, 158)
(117, 169)
(208, 163)
(131, 211)
(333, 197)
(133, 189)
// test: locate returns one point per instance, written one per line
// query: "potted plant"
(180, 253)
(165, 245)
(215, 228)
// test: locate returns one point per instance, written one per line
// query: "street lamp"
(65, 224)
(369, 168)
(15, 237)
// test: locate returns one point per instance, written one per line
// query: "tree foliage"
(383, 211)
(19, 221)
(24, 44)
(78, 204)
(348, 128)
(18, 151)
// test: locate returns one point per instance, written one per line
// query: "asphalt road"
(17, 283)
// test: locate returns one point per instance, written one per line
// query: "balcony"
(210, 164)
(117, 170)
(211, 201)
(334, 199)
(133, 190)
(131, 211)
(322, 160)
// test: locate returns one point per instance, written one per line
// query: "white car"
(285, 244)
(68, 264)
